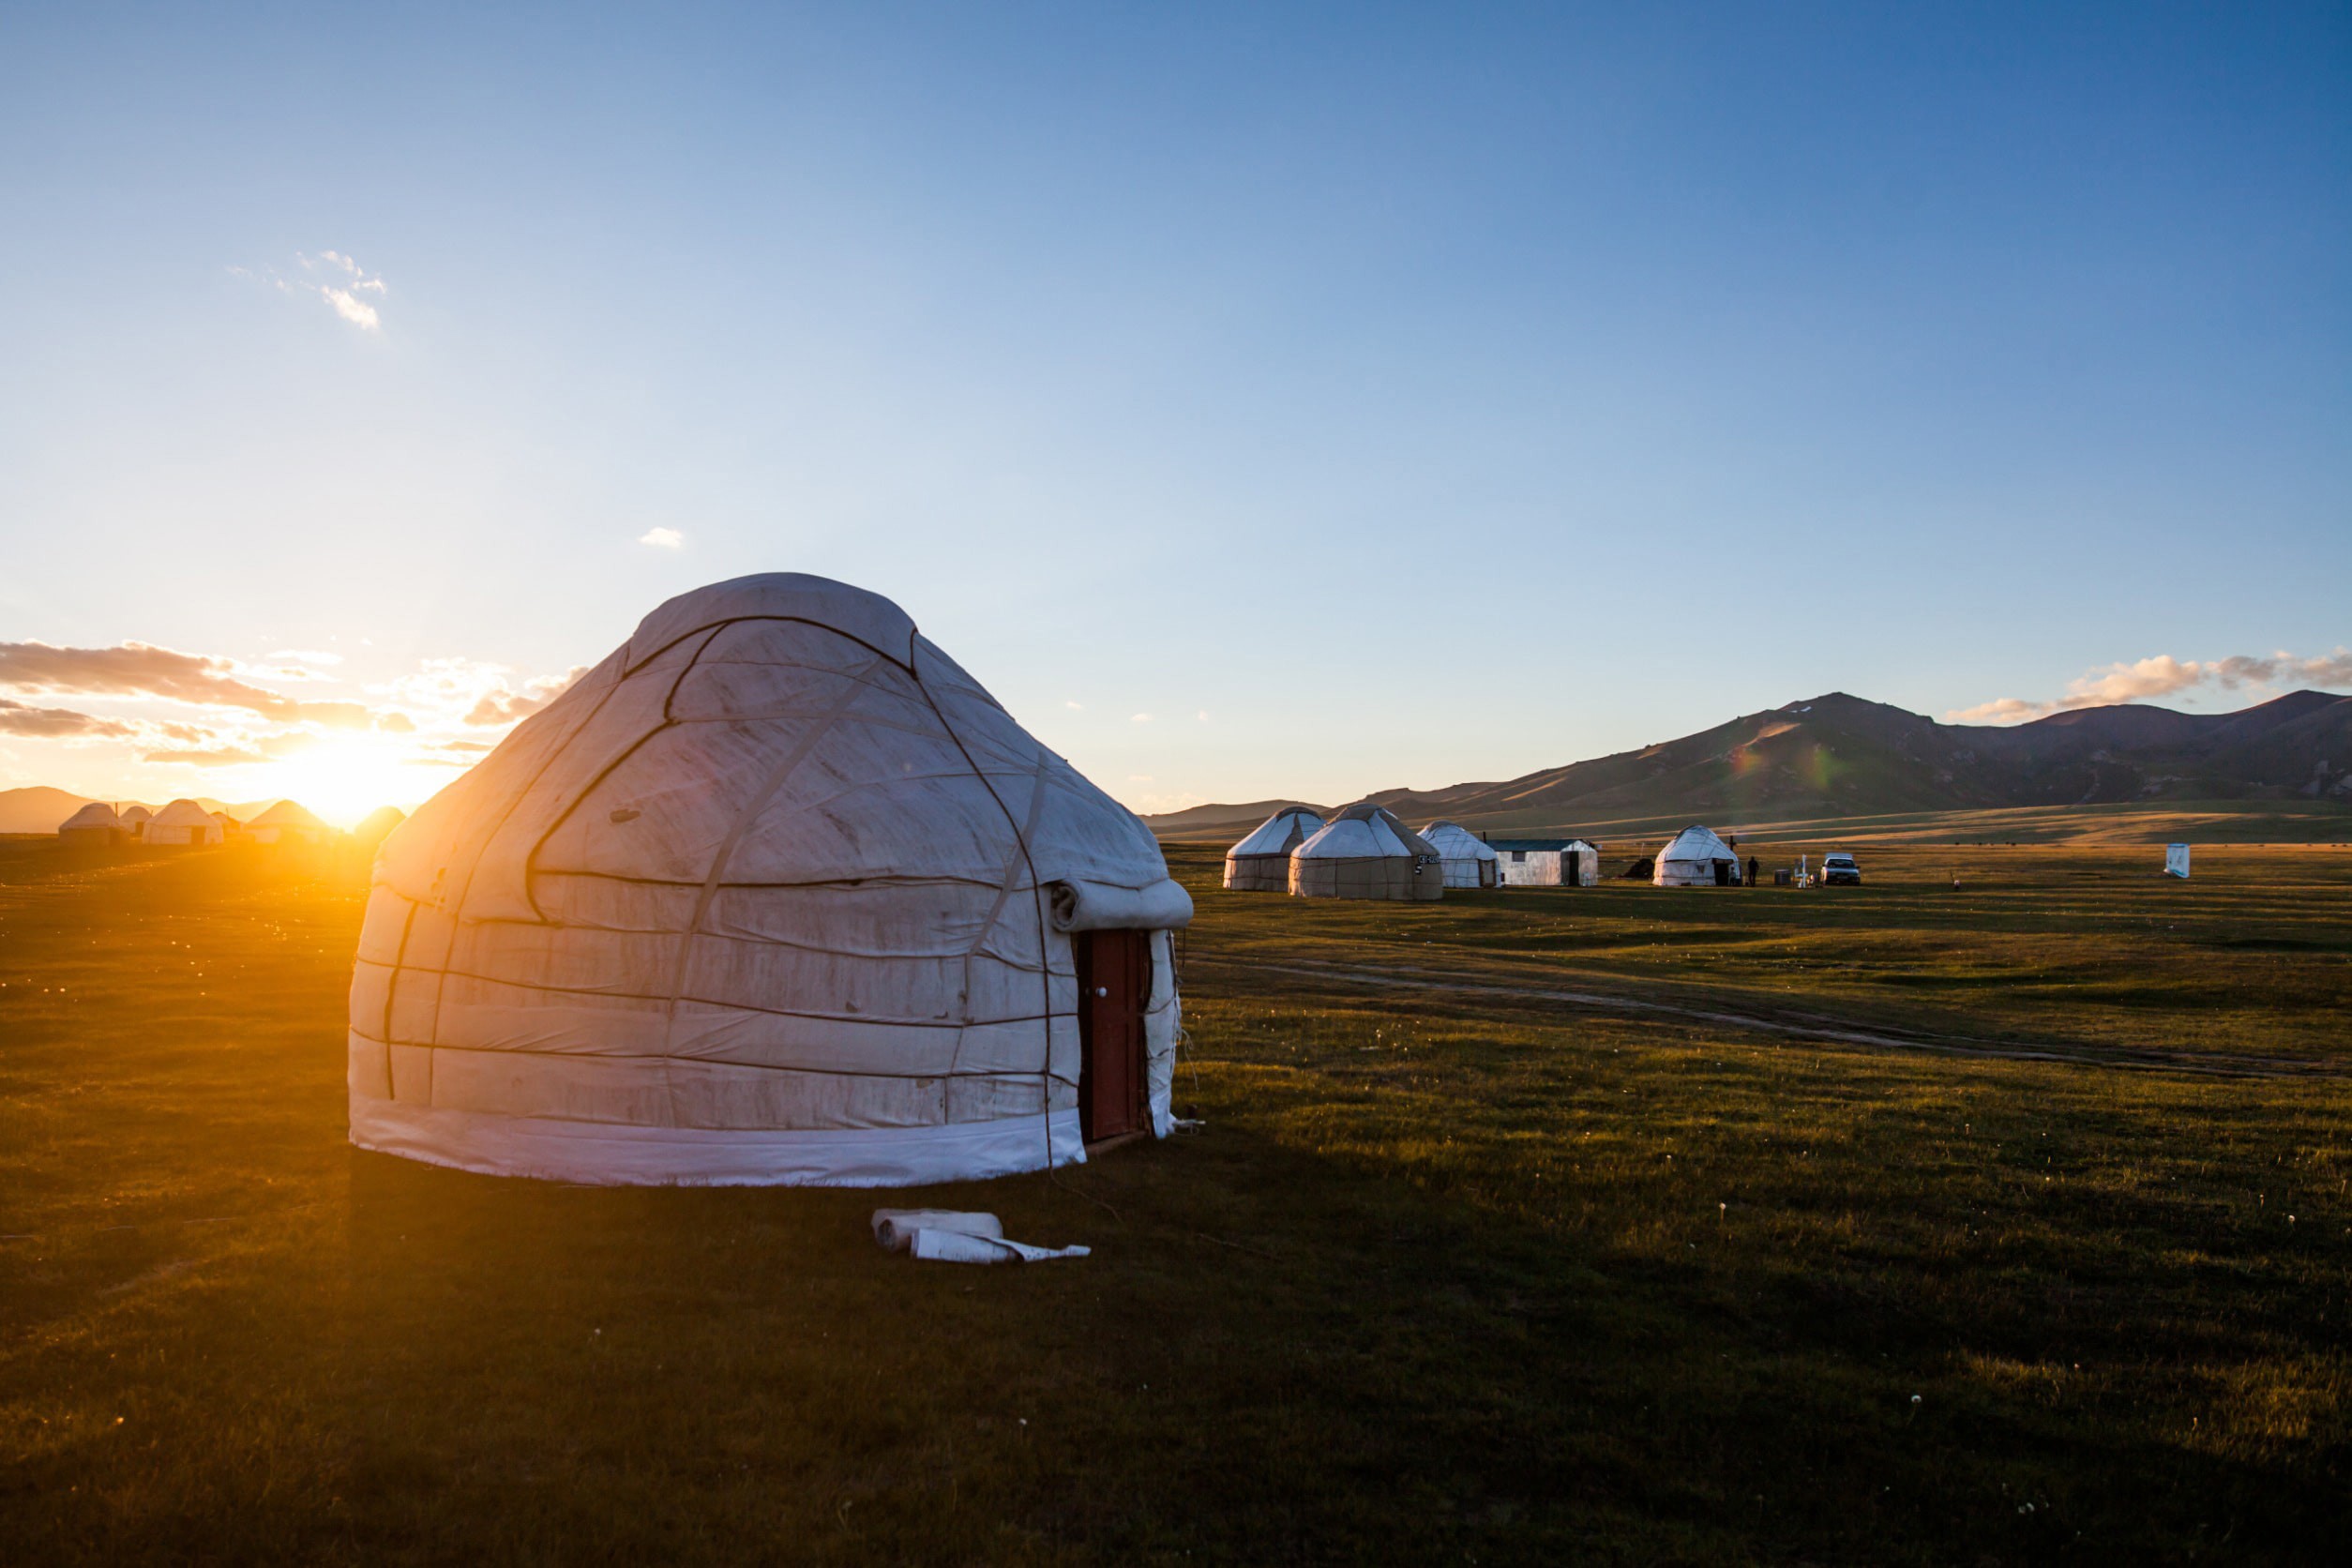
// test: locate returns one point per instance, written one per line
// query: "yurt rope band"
(1036, 892)
(758, 803)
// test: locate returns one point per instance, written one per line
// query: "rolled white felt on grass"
(955, 1236)
(895, 1228)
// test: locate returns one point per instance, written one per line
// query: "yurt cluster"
(185, 825)
(1366, 851)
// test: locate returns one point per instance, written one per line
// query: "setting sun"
(344, 778)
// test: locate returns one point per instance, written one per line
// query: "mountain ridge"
(1838, 755)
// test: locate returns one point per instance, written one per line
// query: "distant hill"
(1838, 756)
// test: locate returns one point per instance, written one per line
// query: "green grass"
(1449, 1275)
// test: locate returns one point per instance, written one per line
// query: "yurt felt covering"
(1365, 853)
(1469, 861)
(775, 893)
(1261, 862)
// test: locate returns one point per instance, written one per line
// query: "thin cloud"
(19, 718)
(663, 538)
(2164, 676)
(504, 706)
(143, 670)
(352, 310)
(1075, 707)
(210, 757)
(1139, 718)
(332, 278)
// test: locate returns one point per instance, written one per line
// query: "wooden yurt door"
(1114, 972)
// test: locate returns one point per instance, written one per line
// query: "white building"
(1547, 862)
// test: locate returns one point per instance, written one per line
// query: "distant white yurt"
(183, 823)
(287, 822)
(1365, 853)
(1467, 860)
(135, 820)
(2176, 861)
(1696, 858)
(776, 894)
(94, 825)
(1261, 862)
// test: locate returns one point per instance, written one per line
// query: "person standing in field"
(1751, 870)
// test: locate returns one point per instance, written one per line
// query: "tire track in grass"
(1804, 1027)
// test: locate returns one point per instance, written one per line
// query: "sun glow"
(344, 778)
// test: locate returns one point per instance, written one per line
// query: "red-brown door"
(1114, 972)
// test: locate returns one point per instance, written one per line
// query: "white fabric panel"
(1163, 1026)
(615, 1155)
(754, 874)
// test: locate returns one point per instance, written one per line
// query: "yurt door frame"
(1114, 972)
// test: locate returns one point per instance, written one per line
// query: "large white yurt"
(184, 821)
(1467, 861)
(95, 823)
(1261, 862)
(287, 822)
(1696, 858)
(1365, 853)
(776, 894)
(135, 820)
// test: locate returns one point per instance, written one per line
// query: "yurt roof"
(1697, 843)
(287, 813)
(97, 814)
(383, 820)
(1280, 833)
(1363, 832)
(137, 814)
(183, 813)
(1456, 842)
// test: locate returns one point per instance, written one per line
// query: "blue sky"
(1420, 393)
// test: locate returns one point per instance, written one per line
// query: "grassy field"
(1610, 1225)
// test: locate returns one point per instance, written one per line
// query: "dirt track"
(1811, 1026)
